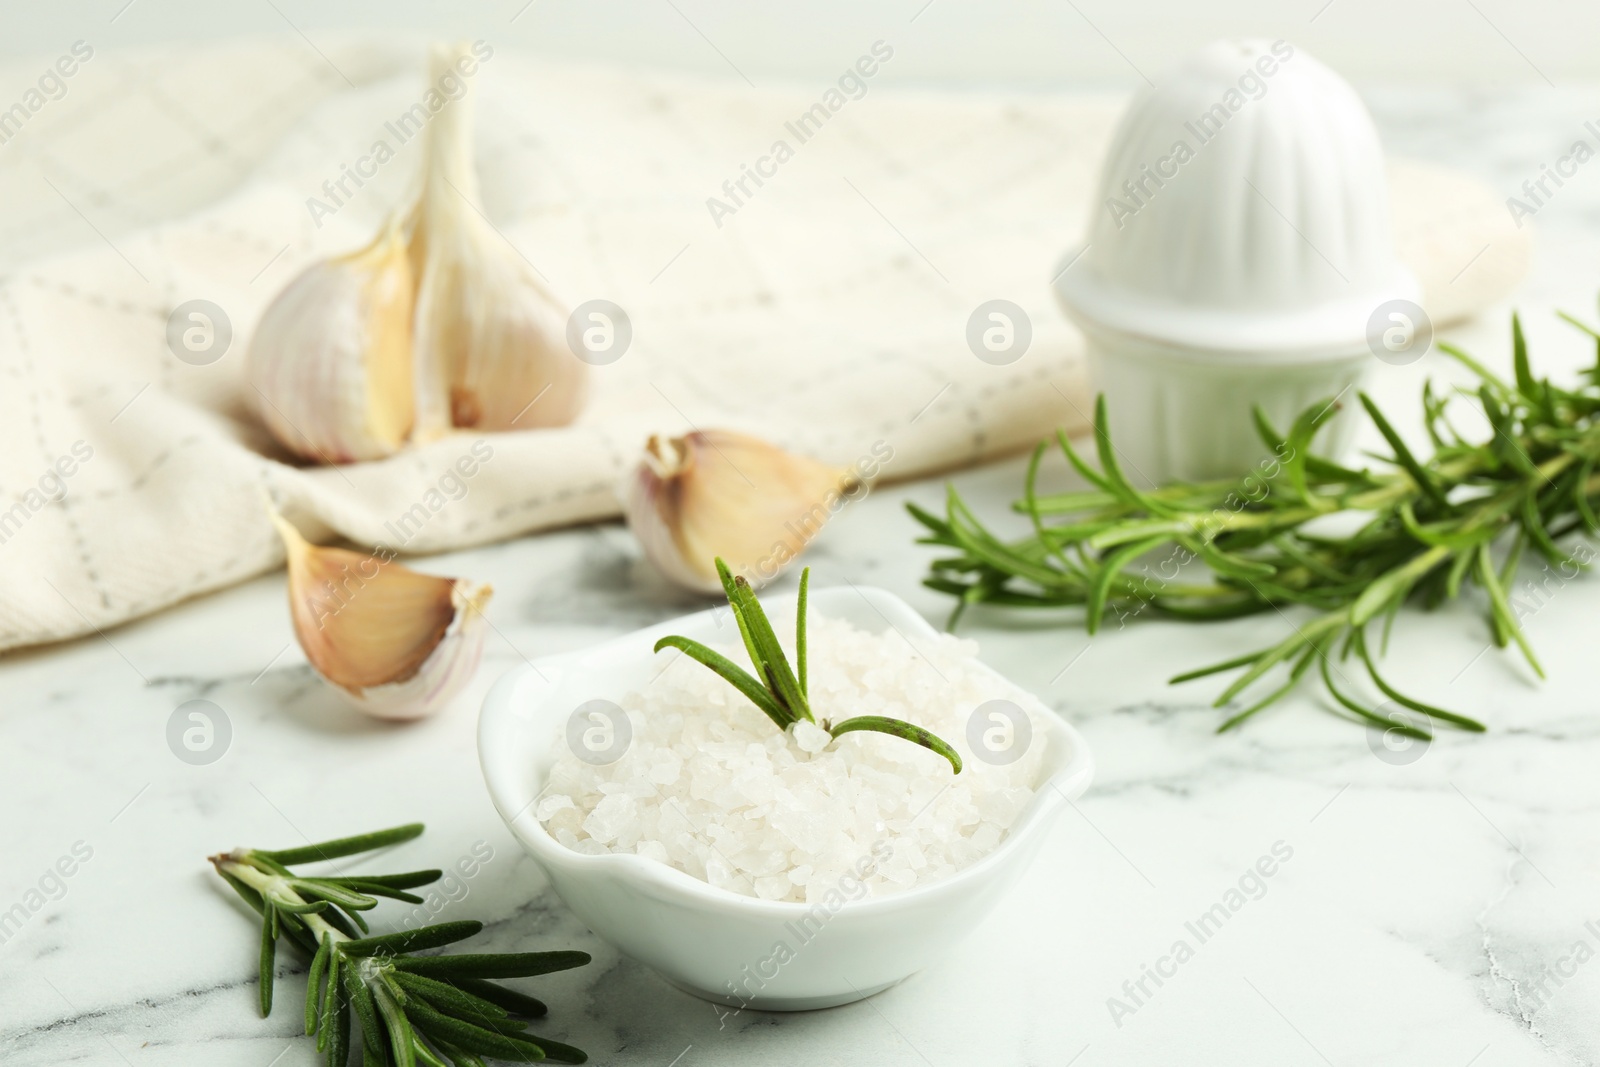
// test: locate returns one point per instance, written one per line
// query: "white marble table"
(1422, 906)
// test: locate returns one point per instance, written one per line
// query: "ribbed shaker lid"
(1243, 207)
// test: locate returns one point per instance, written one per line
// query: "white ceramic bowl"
(711, 942)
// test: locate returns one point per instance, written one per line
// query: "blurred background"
(204, 129)
(1009, 43)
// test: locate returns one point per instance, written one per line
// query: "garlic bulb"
(446, 325)
(397, 643)
(330, 364)
(491, 345)
(719, 493)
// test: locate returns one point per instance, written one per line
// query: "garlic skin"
(330, 364)
(491, 350)
(720, 493)
(396, 643)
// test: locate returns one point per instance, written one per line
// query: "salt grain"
(711, 787)
(811, 737)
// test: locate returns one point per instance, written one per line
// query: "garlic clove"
(491, 343)
(397, 643)
(491, 348)
(330, 363)
(719, 493)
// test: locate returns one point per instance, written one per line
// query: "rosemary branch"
(778, 689)
(1422, 530)
(436, 1011)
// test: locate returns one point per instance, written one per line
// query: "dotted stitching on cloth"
(34, 402)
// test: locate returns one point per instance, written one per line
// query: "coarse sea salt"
(710, 786)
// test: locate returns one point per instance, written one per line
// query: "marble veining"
(1442, 911)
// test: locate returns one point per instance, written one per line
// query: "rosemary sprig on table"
(781, 690)
(1415, 532)
(436, 1011)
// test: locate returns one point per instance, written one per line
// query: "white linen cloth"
(827, 312)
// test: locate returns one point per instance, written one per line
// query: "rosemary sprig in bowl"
(1419, 532)
(780, 691)
(433, 1011)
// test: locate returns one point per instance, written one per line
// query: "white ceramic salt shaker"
(1239, 250)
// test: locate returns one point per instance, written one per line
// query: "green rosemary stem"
(276, 888)
(410, 1009)
(776, 688)
(1417, 531)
